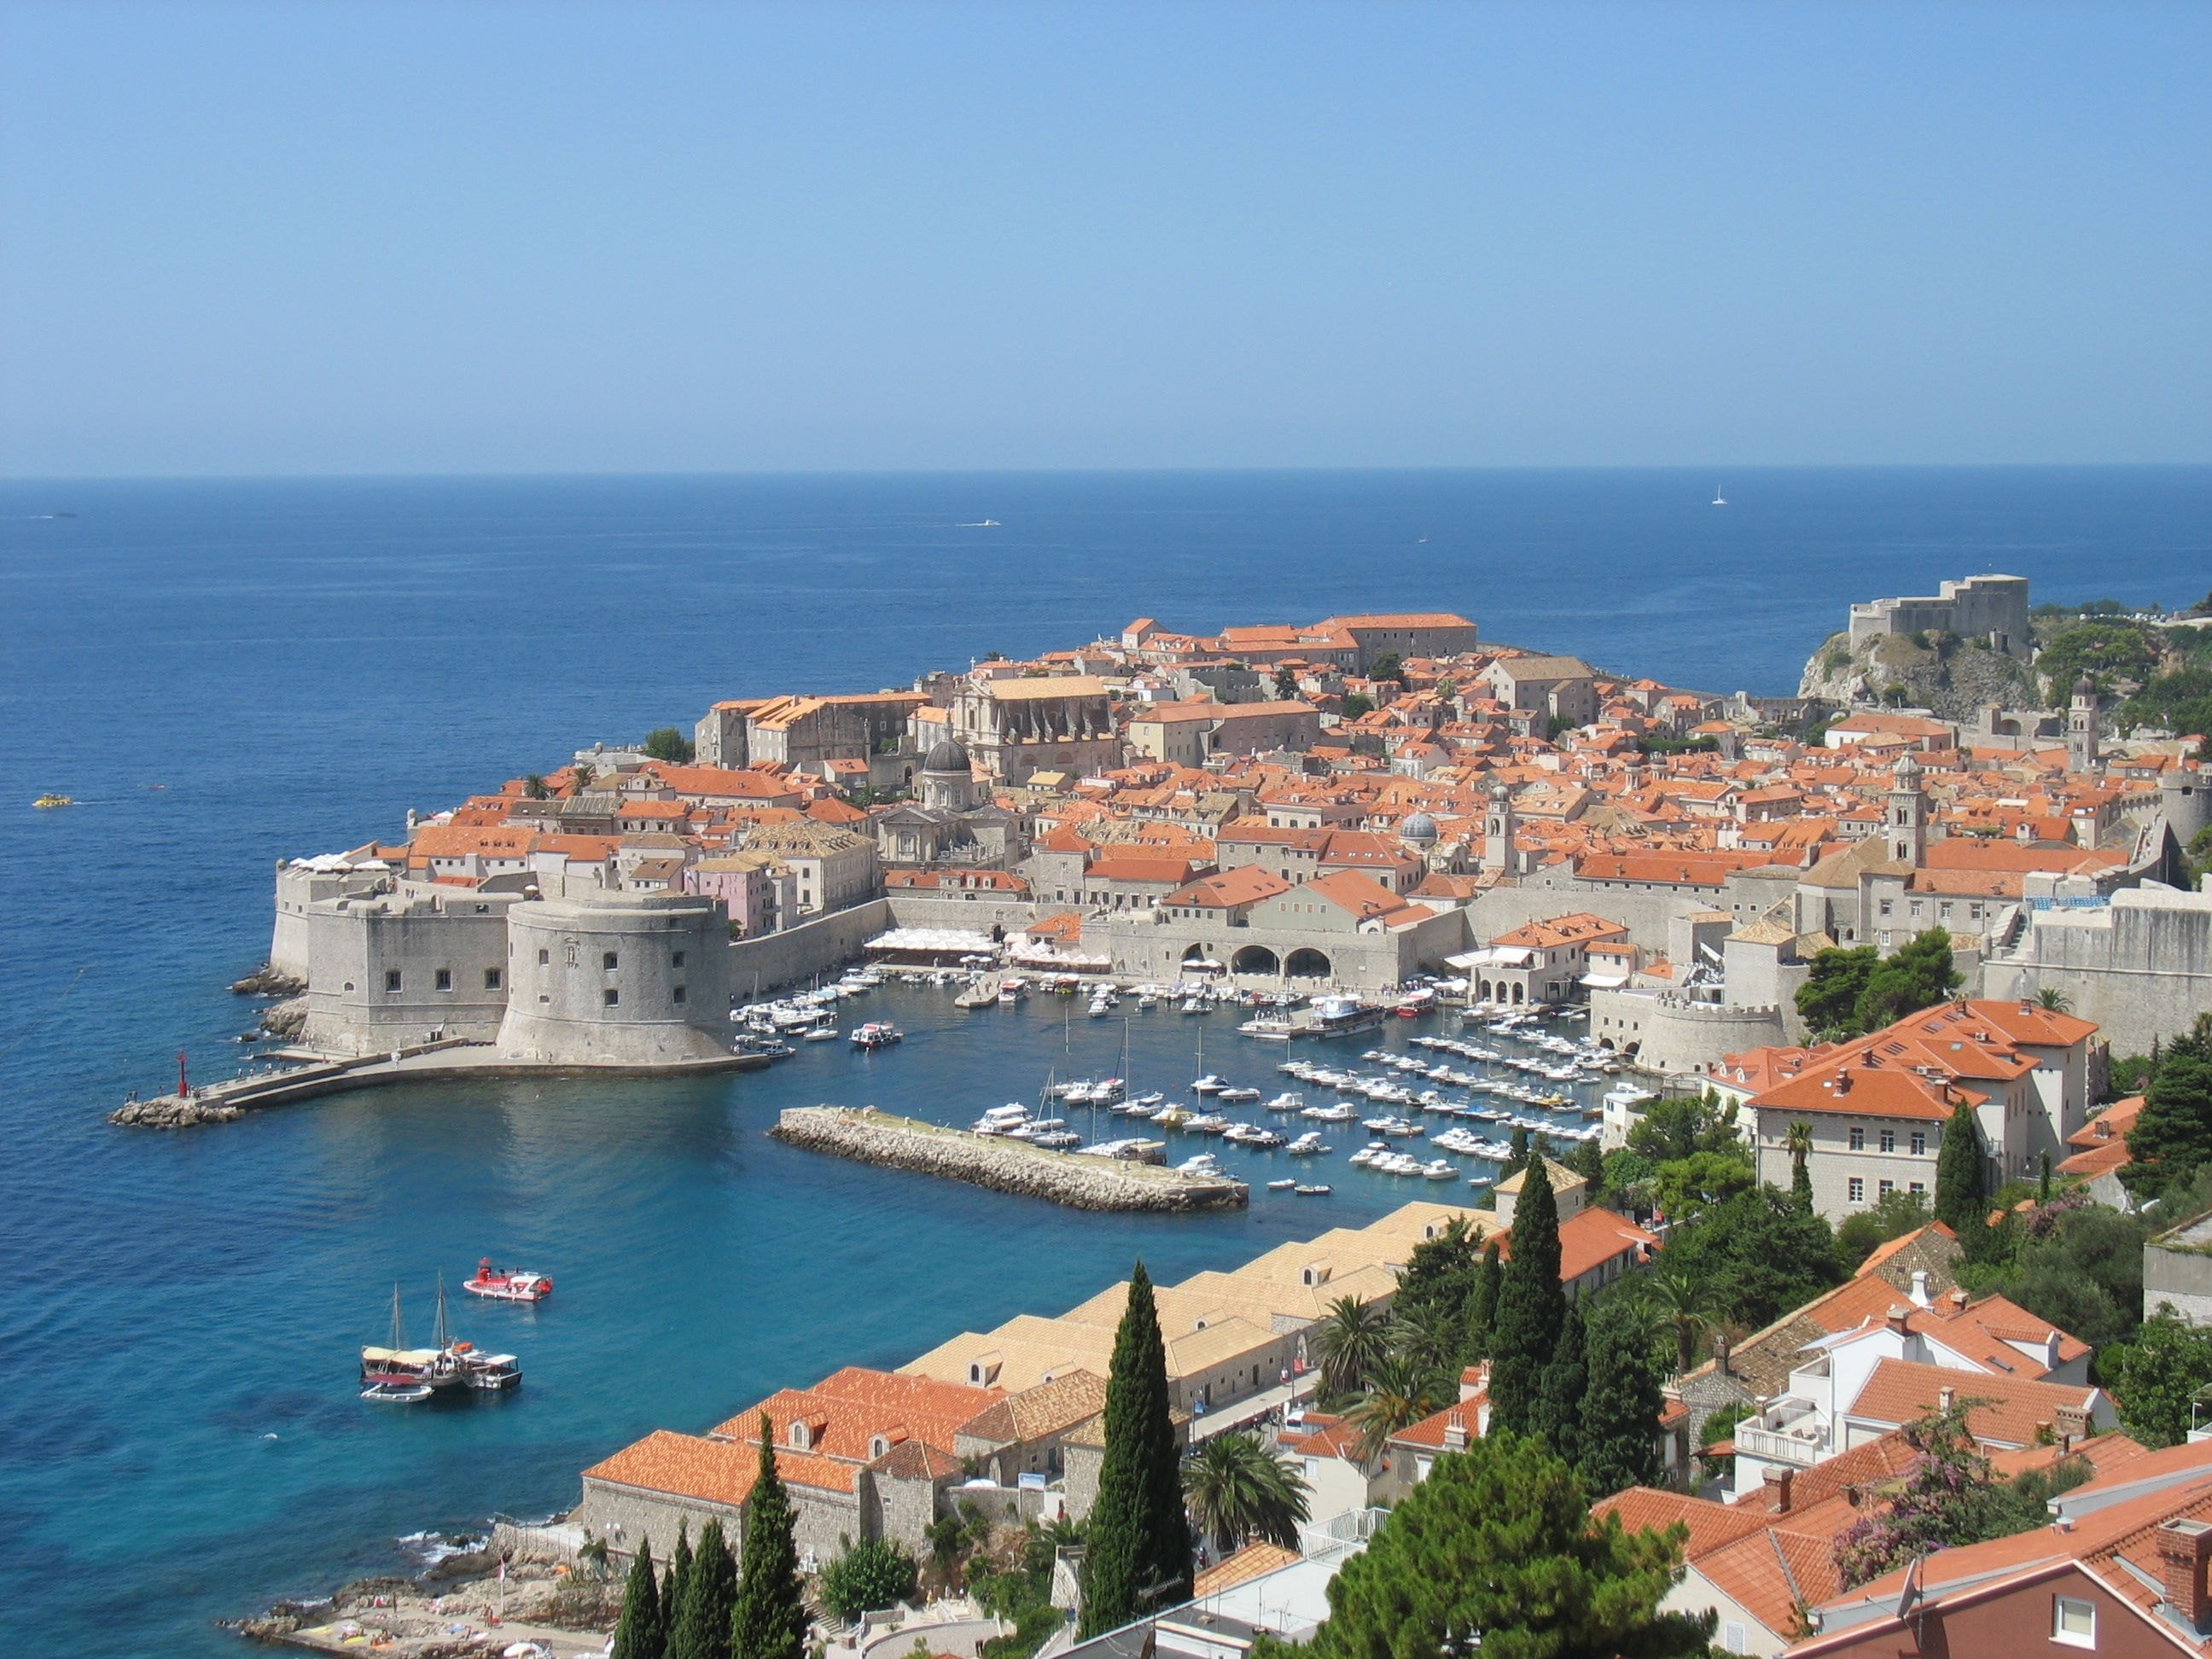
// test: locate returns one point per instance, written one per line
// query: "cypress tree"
(672, 1585)
(767, 1618)
(639, 1634)
(1618, 1424)
(1482, 1305)
(702, 1629)
(1566, 1379)
(1531, 1306)
(1958, 1201)
(1138, 1556)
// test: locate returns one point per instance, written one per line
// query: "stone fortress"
(1991, 608)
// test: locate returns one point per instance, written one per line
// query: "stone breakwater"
(1003, 1166)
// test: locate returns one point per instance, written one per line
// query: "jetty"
(452, 1060)
(1003, 1164)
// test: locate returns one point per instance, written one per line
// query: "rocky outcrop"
(173, 1112)
(268, 981)
(1952, 678)
(285, 1020)
(1003, 1165)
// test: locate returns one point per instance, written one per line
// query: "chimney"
(1920, 1287)
(1779, 1477)
(1721, 1352)
(2182, 1549)
(1944, 1396)
(2051, 1351)
(2073, 1424)
(1455, 1433)
(1899, 1318)
(2026, 1006)
(1844, 1081)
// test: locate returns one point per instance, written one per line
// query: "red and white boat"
(503, 1284)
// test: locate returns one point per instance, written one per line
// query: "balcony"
(1799, 1444)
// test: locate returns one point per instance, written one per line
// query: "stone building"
(834, 868)
(1191, 733)
(407, 966)
(1561, 688)
(623, 980)
(1992, 608)
(951, 822)
(2137, 960)
(1016, 727)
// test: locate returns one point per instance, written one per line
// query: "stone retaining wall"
(1003, 1165)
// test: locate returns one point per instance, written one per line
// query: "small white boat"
(1280, 1186)
(1209, 1084)
(820, 1034)
(396, 1391)
(1241, 1096)
(1317, 1190)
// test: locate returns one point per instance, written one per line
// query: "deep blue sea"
(225, 673)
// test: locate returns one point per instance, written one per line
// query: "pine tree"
(1482, 1305)
(1619, 1425)
(639, 1634)
(1138, 1556)
(674, 1582)
(1589, 1162)
(1531, 1306)
(702, 1629)
(1566, 1379)
(1958, 1199)
(768, 1619)
(2173, 1135)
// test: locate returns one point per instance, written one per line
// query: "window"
(491, 979)
(1857, 1190)
(678, 995)
(613, 996)
(2072, 1621)
(678, 960)
(1920, 1143)
(1858, 1140)
(543, 958)
(392, 979)
(1889, 1140)
(1886, 1187)
(611, 961)
(445, 978)
(1918, 1186)
(1732, 1637)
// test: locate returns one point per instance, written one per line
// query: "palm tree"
(1238, 1489)
(1799, 1140)
(1398, 1396)
(1428, 1339)
(1349, 1342)
(2055, 1000)
(1682, 1303)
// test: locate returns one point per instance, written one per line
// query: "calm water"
(296, 664)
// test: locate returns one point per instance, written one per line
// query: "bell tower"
(1498, 833)
(1908, 816)
(2081, 722)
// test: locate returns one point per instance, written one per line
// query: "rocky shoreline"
(1003, 1165)
(268, 981)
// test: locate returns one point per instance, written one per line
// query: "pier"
(1002, 1165)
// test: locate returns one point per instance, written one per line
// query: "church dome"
(1418, 827)
(949, 755)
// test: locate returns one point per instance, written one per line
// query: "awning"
(1604, 982)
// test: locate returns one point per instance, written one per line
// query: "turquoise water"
(298, 663)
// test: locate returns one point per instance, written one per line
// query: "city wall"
(758, 966)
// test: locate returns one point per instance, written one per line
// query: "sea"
(227, 673)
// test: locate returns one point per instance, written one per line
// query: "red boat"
(503, 1284)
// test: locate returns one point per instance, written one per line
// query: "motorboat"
(1001, 1120)
(1251, 1134)
(490, 1373)
(1240, 1096)
(1317, 1190)
(1439, 1169)
(1207, 1123)
(877, 1033)
(1281, 1186)
(1306, 1146)
(507, 1285)
(826, 1033)
(1210, 1084)
(1340, 1112)
(1288, 1101)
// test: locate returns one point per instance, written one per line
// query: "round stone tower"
(623, 979)
(2185, 795)
(948, 779)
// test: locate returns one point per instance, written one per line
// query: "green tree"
(1530, 1305)
(1961, 1199)
(1498, 1541)
(1680, 1300)
(1428, 1341)
(1139, 1555)
(1894, 1215)
(638, 1635)
(1939, 1506)
(2172, 1136)
(873, 1574)
(1828, 1000)
(2056, 1000)
(1759, 1255)
(1237, 1490)
(674, 1583)
(1588, 1161)
(1799, 1140)
(1566, 1378)
(1919, 975)
(1482, 1306)
(1286, 683)
(2159, 1377)
(702, 1629)
(768, 1620)
(1356, 703)
(1439, 1275)
(534, 786)
(1400, 1394)
(666, 742)
(1349, 1342)
(1686, 1187)
(1619, 1431)
(1388, 666)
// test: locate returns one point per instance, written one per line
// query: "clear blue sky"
(363, 238)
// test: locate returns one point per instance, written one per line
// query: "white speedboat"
(1209, 1084)
(1288, 1101)
(1240, 1096)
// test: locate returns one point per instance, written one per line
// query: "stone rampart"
(759, 965)
(1003, 1165)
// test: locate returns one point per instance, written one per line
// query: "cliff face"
(1956, 679)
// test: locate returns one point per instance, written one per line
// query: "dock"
(1004, 1164)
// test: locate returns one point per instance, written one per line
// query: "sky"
(482, 237)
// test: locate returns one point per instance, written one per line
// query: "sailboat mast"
(399, 1331)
